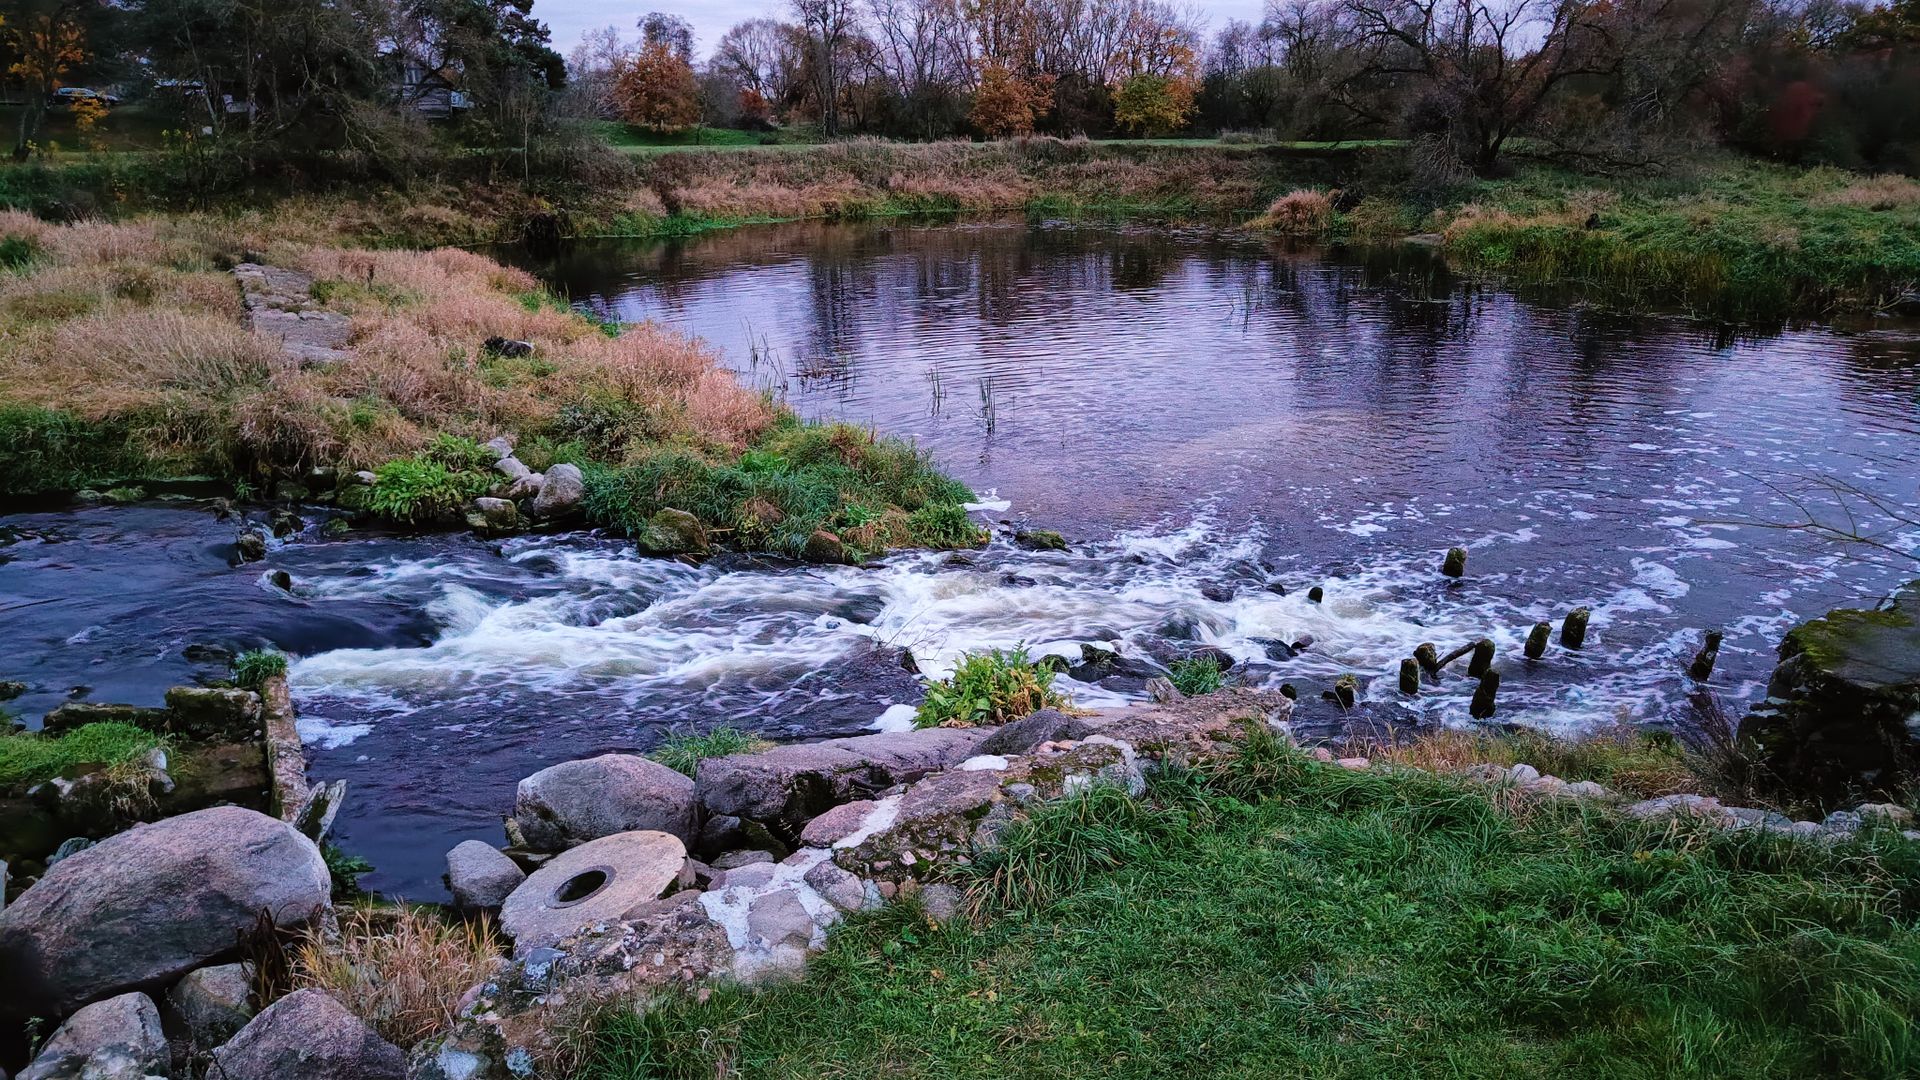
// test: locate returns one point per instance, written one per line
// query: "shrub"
(48, 450)
(403, 970)
(28, 756)
(16, 252)
(989, 688)
(422, 489)
(683, 753)
(1301, 212)
(1197, 675)
(251, 669)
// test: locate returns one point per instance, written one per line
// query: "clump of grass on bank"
(251, 669)
(1336, 923)
(401, 969)
(28, 757)
(684, 753)
(993, 687)
(799, 479)
(1197, 675)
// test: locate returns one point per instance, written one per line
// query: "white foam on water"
(896, 718)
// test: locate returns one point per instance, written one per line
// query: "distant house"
(430, 93)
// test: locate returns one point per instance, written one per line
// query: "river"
(1203, 414)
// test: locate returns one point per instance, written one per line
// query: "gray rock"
(71, 846)
(836, 824)
(213, 715)
(791, 785)
(1842, 823)
(673, 532)
(597, 882)
(733, 860)
(1587, 789)
(115, 1039)
(250, 545)
(841, 888)
(213, 1002)
(560, 495)
(1700, 806)
(500, 445)
(307, 1035)
(526, 487)
(941, 902)
(512, 468)
(778, 918)
(153, 903)
(495, 516)
(1047, 725)
(576, 801)
(1884, 813)
(750, 876)
(1523, 774)
(480, 876)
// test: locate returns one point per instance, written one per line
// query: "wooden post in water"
(1703, 661)
(1482, 658)
(1410, 676)
(1428, 657)
(1346, 690)
(1481, 708)
(1455, 564)
(1573, 631)
(1537, 640)
(1316, 594)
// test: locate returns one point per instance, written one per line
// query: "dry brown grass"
(1301, 212)
(1888, 191)
(402, 970)
(140, 324)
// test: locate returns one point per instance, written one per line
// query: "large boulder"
(480, 875)
(115, 1039)
(1022, 735)
(560, 493)
(576, 801)
(788, 786)
(672, 532)
(307, 1035)
(213, 1003)
(151, 904)
(1838, 717)
(602, 881)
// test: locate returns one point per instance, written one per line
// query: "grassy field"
(1284, 918)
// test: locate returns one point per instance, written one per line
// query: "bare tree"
(828, 24)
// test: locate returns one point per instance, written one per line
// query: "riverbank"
(130, 353)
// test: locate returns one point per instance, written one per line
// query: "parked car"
(67, 95)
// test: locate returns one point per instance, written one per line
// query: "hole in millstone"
(580, 886)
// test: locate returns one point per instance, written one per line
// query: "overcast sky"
(710, 18)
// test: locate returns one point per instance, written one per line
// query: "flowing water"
(1203, 415)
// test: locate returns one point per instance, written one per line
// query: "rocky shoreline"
(624, 879)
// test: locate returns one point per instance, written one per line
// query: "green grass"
(683, 753)
(433, 485)
(872, 493)
(44, 450)
(1197, 675)
(1344, 924)
(251, 669)
(28, 757)
(1734, 238)
(992, 687)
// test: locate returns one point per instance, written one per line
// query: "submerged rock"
(307, 1035)
(1840, 708)
(152, 904)
(115, 1039)
(576, 801)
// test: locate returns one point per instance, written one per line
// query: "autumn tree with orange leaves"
(45, 42)
(657, 90)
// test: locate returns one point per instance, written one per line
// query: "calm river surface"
(1201, 414)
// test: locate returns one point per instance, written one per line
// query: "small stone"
(481, 876)
(778, 918)
(1523, 774)
(1842, 822)
(1884, 813)
(213, 1002)
(733, 860)
(1322, 755)
(1353, 763)
(1587, 789)
(750, 876)
(250, 546)
(496, 516)
(841, 888)
(942, 902)
(1040, 540)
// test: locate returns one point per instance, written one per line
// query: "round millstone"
(599, 881)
